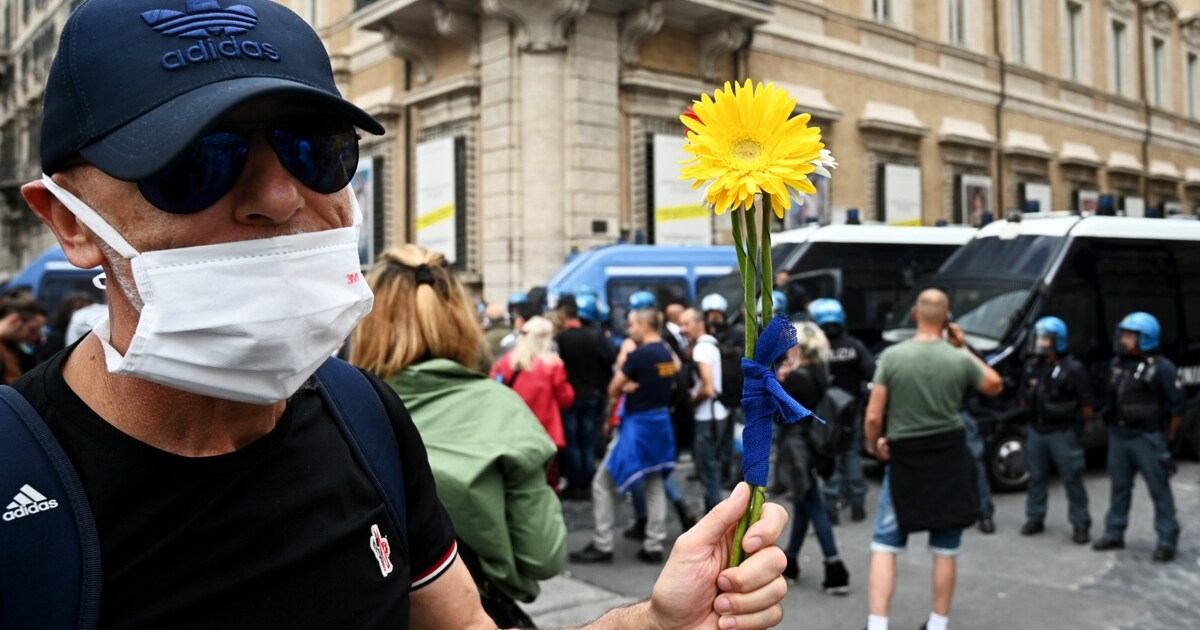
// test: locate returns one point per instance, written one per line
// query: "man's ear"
(80, 246)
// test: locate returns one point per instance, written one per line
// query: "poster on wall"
(679, 214)
(435, 208)
(363, 185)
(1133, 206)
(1087, 201)
(1036, 198)
(974, 199)
(815, 208)
(900, 194)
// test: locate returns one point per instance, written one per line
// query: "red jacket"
(545, 389)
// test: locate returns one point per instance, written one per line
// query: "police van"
(1088, 271)
(51, 277)
(673, 273)
(867, 267)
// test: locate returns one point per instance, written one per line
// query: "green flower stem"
(768, 281)
(758, 496)
(749, 282)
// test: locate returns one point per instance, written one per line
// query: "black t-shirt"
(588, 356)
(652, 367)
(275, 535)
(806, 385)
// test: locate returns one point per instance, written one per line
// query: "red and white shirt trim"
(438, 568)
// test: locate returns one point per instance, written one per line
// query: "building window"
(1157, 50)
(1191, 84)
(958, 22)
(1019, 32)
(883, 11)
(1074, 40)
(1119, 69)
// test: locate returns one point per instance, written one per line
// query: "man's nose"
(267, 193)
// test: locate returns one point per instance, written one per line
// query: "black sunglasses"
(322, 155)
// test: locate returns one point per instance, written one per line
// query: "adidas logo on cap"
(28, 501)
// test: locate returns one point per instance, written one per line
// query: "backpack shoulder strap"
(363, 419)
(49, 550)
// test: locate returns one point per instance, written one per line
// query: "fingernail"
(752, 544)
(724, 584)
(728, 622)
(723, 605)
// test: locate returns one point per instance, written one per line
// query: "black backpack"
(730, 393)
(835, 436)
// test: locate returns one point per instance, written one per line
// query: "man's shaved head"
(932, 308)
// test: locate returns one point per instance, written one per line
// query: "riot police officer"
(1055, 392)
(1144, 410)
(851, 368)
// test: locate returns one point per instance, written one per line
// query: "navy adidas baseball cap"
(135, 81)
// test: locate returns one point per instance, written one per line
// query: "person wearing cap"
(201, 155)
(1056, 393)
(520, 309)
(1145, 408)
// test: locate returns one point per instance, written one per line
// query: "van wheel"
(1005, 461)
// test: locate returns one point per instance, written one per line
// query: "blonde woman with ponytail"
(534, 370)
(488, 451)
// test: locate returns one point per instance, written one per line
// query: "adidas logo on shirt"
(28, 501)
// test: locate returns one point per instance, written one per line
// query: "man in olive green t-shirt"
(920, 385)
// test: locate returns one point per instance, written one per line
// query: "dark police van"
(867, 267)
(1090, 272)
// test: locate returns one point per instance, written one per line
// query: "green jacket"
(489, 456)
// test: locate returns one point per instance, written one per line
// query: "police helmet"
(1146, 327)
(714, 302)
(642, 299)
(1053, 329)
(587, 308)
(585, 289)
(779, 302)
(827, 311)
(517, 297)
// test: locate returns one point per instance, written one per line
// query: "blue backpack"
(50, 566)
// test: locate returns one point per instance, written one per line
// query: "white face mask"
(247, 321)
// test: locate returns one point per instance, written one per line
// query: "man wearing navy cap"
(200, 154)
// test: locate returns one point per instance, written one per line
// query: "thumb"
(724, 515)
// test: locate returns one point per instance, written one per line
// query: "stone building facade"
(544, 126)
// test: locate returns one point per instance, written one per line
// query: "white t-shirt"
(706, 351)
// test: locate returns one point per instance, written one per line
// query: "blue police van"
(51, 277)
(673, 273)
(1088, 271)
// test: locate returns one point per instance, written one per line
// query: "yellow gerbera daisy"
(746, 142)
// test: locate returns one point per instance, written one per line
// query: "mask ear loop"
(90, 218)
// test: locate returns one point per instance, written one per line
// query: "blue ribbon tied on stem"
(763, 399)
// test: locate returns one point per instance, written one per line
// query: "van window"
(875, 276)
(666, 289)
(1187, 258)
(1026, 255)
(1128, 276)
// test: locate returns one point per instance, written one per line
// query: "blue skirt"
(645, 446)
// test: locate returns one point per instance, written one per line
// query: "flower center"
(747, 151)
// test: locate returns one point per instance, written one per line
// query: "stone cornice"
(637, 25)
(459, 25)
(542, 25)
(420, 51)
(1160, 14)
(720, 42)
